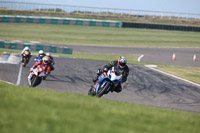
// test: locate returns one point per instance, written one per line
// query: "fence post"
(63, 10)
(3, 4)
(84, 11)
(39, 7)
(55, 8)
(130, 13)
(47, 8)
(32, 6)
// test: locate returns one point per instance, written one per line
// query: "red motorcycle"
(36, 76)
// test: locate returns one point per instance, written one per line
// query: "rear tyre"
(24, 62)
(91, 92)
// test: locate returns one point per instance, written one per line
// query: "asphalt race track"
(144, 86)
(162, 55)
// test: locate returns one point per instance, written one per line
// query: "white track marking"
(174, 76)
(19, 74)
(8, 62)
(141, 56)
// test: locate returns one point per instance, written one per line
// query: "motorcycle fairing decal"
(100, 79)
(105, 74)
(26, 53)
(116, 84)
(35, 72)
(95, 86)
(103, 84)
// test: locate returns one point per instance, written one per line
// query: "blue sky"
(182, 6)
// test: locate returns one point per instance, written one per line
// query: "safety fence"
(160, 26)
(59, 20)
(34, 46)
(84, 10)
(92, 22)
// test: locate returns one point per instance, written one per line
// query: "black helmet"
(122, 61)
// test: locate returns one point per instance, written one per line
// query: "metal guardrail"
(95, 10)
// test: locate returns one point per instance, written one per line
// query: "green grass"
(31, 110)
(189, 73)
(84, 55)
(70, 34)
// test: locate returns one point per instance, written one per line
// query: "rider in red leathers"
(45, 63)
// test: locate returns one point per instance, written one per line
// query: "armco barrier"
(160, 26)
(59, 20)
(35, 47)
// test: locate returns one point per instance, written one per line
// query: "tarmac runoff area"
(145, 85)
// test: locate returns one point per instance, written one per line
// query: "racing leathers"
(47, 68)
(23, 52)
(40, 56)
(125, 73)
(51, 62)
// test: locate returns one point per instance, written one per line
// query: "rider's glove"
(31, 69)
(105, 69)
(99, 71)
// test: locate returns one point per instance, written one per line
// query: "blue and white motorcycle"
(38, 59)
(106, 82)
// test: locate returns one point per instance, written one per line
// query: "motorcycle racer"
(121, 65)
(51, 62)
(26, 49)
(41, 54)
(44, 63)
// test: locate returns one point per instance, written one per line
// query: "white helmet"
(48, 54)
(26, 48)
(41, 52)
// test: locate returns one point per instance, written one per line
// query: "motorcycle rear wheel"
(91, 92)
(24, 62)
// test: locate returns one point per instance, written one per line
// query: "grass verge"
(189, 73)
(25, 109)
(70, 34)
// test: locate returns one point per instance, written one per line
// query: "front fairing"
(113, 76)
(100, 80)
(38, 71)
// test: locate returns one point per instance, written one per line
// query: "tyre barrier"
(34, 47)
(59, 20)
(94, 22)
(160, 26)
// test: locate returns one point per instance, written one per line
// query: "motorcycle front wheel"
(35, 81)
(103, 90)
